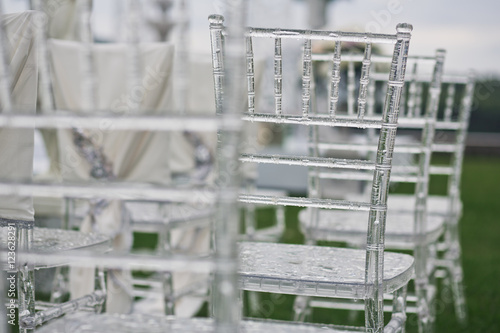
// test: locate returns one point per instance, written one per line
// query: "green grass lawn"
(480, 235)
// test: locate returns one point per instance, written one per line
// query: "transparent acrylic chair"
(445, 207)
(19, 56)
(450, 138)
(318, 270)
(412, 160)
(447, 151)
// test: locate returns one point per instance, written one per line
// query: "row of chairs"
(385, 100)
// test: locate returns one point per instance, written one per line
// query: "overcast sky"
(468, 30)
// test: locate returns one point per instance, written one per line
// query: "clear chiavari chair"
(409, 228)
(444, 206)
(309, 270)
(450, 139)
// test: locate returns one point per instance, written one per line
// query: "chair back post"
(216, 30)
(458, 154)
(452, 240)
(422, 186)
(230, 100)
(374, 298)
(422, 190)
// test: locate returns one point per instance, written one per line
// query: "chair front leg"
(422, 288)
(26, 283)
(397, 324)
(454, 265)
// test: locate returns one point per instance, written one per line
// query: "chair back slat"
(450, 96)
(306, 78)
(412, 93)
(278, 78)
(351, 87)
(250, 75)
(335, 80)
(364, 81)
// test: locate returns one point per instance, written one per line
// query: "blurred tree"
(486, 106)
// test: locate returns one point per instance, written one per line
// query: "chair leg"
(432, 301)
(398, 318)
(250, 222)
(165, 247)
(26, 281)
(456, 276)
(168, 293)
(59, 284)
(453, 263)
(422, 289)
(253, 302)
(280, 219)
(301, 308)
(101, 284)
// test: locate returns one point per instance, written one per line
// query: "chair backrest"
(386, 123)
(451, 133)
(416, 128)
(423, 84)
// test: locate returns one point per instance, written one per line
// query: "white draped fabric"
(16, 145)
(134, 155)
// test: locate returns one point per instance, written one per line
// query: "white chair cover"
(16, 145)
(135, 156)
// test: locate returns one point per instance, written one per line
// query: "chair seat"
(137, 323)
(315, 270)
(347, 226)
(47, 240)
